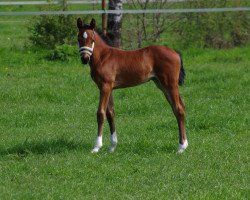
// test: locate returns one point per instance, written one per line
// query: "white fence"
(91, 12)
(8, 3)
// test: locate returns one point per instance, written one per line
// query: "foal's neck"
(100, 49)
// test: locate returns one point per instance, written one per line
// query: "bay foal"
(113, 68)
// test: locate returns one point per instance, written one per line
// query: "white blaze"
(85, 35)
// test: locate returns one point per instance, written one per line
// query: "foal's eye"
(85, 35)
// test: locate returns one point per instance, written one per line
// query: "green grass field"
(48, 128)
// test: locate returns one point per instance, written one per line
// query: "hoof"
(113, 140)
(182, 147)
(112, 148)
(98, 144)
(95, 150)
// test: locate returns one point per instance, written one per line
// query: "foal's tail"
(182, 71)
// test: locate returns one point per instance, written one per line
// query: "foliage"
(213, 30)
(63, 52)
(146, 27)
(47, 31)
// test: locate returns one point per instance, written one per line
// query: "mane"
(107, 39)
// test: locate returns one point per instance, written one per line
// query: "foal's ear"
(79, 23)
(92, 24)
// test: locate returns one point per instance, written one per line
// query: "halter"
(86, 49)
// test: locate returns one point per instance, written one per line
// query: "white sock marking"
(183, 146)
(98, 144)
(113, 141)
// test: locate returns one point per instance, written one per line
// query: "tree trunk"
(115, 22)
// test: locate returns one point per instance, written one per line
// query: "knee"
(110, 113)
(100, 116)
(180, 110)
(183, 104)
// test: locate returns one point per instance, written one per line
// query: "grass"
(48, 127)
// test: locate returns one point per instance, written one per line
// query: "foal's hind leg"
(172, 95)
(111, 120)
(178, 107)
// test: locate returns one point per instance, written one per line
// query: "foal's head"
(86, 39)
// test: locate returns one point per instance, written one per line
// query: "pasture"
(48, 128)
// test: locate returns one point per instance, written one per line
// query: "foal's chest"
(100, 76)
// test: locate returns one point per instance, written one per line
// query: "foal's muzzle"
(85, 59)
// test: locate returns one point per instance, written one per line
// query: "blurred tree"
(147, 27)
(115, 22)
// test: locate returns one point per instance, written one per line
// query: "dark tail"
(182, 71)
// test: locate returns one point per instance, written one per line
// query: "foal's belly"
(130, 79)
(134, 69)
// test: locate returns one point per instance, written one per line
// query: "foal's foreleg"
(105, 92)
(111, 120)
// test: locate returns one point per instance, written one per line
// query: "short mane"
(106, 38)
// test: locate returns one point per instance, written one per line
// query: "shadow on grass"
(149, 149)
(53, 146)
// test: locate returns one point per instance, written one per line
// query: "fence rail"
(91, 12)
(8, 3)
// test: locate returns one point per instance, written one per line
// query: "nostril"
(85, 59)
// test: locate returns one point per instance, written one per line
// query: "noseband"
(86, 49)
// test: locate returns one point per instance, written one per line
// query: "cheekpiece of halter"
(87, 50)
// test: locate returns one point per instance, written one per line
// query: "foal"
(113, 68)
